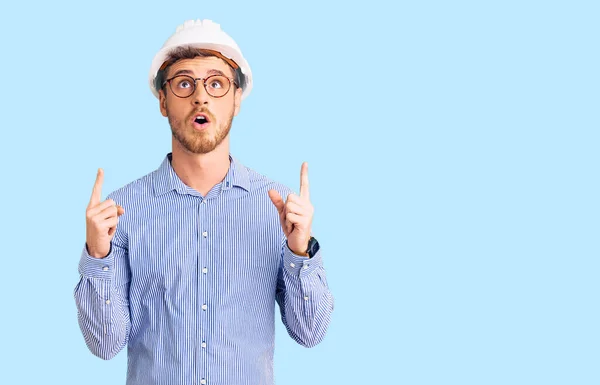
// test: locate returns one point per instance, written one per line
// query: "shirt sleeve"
(303, 296)
(102, 300)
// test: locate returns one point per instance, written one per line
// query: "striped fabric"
(191, 282)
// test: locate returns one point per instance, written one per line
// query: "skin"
(101, 220)
(201, 159)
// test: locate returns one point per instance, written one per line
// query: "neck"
(201, 171)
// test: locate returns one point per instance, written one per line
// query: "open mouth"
(201, 121)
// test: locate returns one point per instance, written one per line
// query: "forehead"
(200, 66)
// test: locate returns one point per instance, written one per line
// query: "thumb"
(276, 199)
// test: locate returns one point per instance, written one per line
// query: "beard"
(199, 142)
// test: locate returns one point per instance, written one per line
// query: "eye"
(216, 84)
(184, 84)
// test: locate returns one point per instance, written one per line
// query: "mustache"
(204, 111)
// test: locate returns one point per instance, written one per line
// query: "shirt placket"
(203, 297)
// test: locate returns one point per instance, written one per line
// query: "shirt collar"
(165, 179)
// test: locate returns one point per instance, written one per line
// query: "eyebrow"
(182, 72)
(188, 72)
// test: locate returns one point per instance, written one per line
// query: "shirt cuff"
(102, 268)
(298, 265)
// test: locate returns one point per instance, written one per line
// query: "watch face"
(313, 247)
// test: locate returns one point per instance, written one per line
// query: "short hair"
(188, 52)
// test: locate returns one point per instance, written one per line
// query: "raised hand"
(296, 214)
(101, 220)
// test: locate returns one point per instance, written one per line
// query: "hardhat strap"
(216, 53)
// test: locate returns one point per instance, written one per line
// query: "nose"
(200, 96)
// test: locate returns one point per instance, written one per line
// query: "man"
(184, 265)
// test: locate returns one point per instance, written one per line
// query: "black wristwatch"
(313, 247)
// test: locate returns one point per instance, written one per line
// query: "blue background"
(453, 158)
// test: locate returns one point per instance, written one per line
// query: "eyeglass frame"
(231, 81)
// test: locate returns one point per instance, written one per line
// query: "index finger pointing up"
(97, 191)
(304, 181)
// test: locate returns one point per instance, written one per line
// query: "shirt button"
(306, 298)
(204, 307)
(203, 381)
(205, 234)
(105, 268)
(204, 270)
(108, 301)
(305, 267)
(204, 344)
(292, 264)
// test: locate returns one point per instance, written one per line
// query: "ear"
(237, 100)
(162, 101)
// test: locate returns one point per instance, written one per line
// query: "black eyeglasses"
(216, 86)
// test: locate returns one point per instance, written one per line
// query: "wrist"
(302, 253)
(311, 248)
(97, 254)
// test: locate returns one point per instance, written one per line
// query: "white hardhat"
(208, 35)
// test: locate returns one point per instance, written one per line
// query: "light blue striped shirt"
(191, 282)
